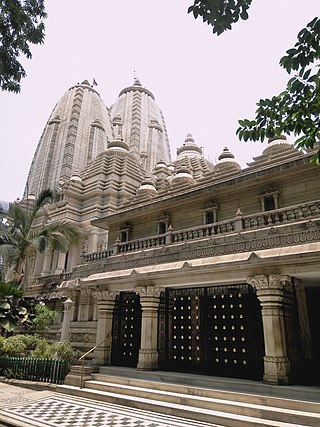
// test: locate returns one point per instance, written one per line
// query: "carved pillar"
(47, 263)
(270, 293)
(60, 263)
(67, 312)
(148, 353)
(84, 305)
(105, 303)
(93, 243)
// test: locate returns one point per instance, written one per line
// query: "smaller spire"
(147, 186)
(189, 148)
(226, 154)
(136, 82)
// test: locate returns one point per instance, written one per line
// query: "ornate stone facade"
(190, 265)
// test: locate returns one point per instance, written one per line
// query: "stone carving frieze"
(105, 295)
(149, 291)
(263, 282)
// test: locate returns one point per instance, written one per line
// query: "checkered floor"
(65, 411)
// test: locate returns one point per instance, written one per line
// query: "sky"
(203, 83)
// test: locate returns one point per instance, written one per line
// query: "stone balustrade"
(146, 243)
(237, 224)
(96, 256)
(53, 279)
(299, 224)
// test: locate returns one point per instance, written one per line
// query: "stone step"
(210, 416)
(240, 397)
(295, 392)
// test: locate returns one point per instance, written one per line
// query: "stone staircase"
(219, 401)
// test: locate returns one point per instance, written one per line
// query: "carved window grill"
(126, 330)
(215, 330)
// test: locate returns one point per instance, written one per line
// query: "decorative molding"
(102, 296)
(149, 291)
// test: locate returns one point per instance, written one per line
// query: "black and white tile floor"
(65, 411)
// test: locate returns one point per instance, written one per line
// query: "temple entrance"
(126, 330)
(312, 375)
(215, 330)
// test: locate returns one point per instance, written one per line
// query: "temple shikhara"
(183, 265)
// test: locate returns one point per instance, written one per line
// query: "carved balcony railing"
(53, 279)
(238, 224)
(96, 256)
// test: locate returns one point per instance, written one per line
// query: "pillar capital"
(149, 291)
(262, 282)
(103, 296)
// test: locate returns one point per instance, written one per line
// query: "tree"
(220, 14)
(21, 238)
(21, 24)
(44, 317)
(295, 110)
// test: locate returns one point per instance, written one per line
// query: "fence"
(33, 369)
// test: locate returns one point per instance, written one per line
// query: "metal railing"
(34, 369)
(109, 336)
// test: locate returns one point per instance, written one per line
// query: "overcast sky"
(203, 83)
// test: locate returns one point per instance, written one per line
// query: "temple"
(183, 265)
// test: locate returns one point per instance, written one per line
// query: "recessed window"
(125, 232)
(269, 200)
(164, 221)
(209, 217)
(210, 212)
(269, 203)
(162, 227)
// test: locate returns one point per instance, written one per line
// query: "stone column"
(148, 353)
(93, 243)
(47, 263)
(60, 263)
(84, 305)
(270, 293)
(105, 303)
(65, 328)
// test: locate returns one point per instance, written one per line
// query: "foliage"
(20, 238)
(44, 317)
(15, 310)
(297, 109)
(64, 351)
(14, 346)
(21, 24)
(43, 349)
(37, 347)
(220, 14)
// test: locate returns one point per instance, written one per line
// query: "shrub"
(37, 347)
(44, 317)
(64, 350)
(43, 349)
(14, 346)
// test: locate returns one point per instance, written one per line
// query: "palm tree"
(21, 238)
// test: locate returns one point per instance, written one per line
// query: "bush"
(64, 351)
(14, 346)
(43, 349)
(37, 347)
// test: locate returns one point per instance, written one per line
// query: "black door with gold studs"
(126, 330)
(215, 330)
